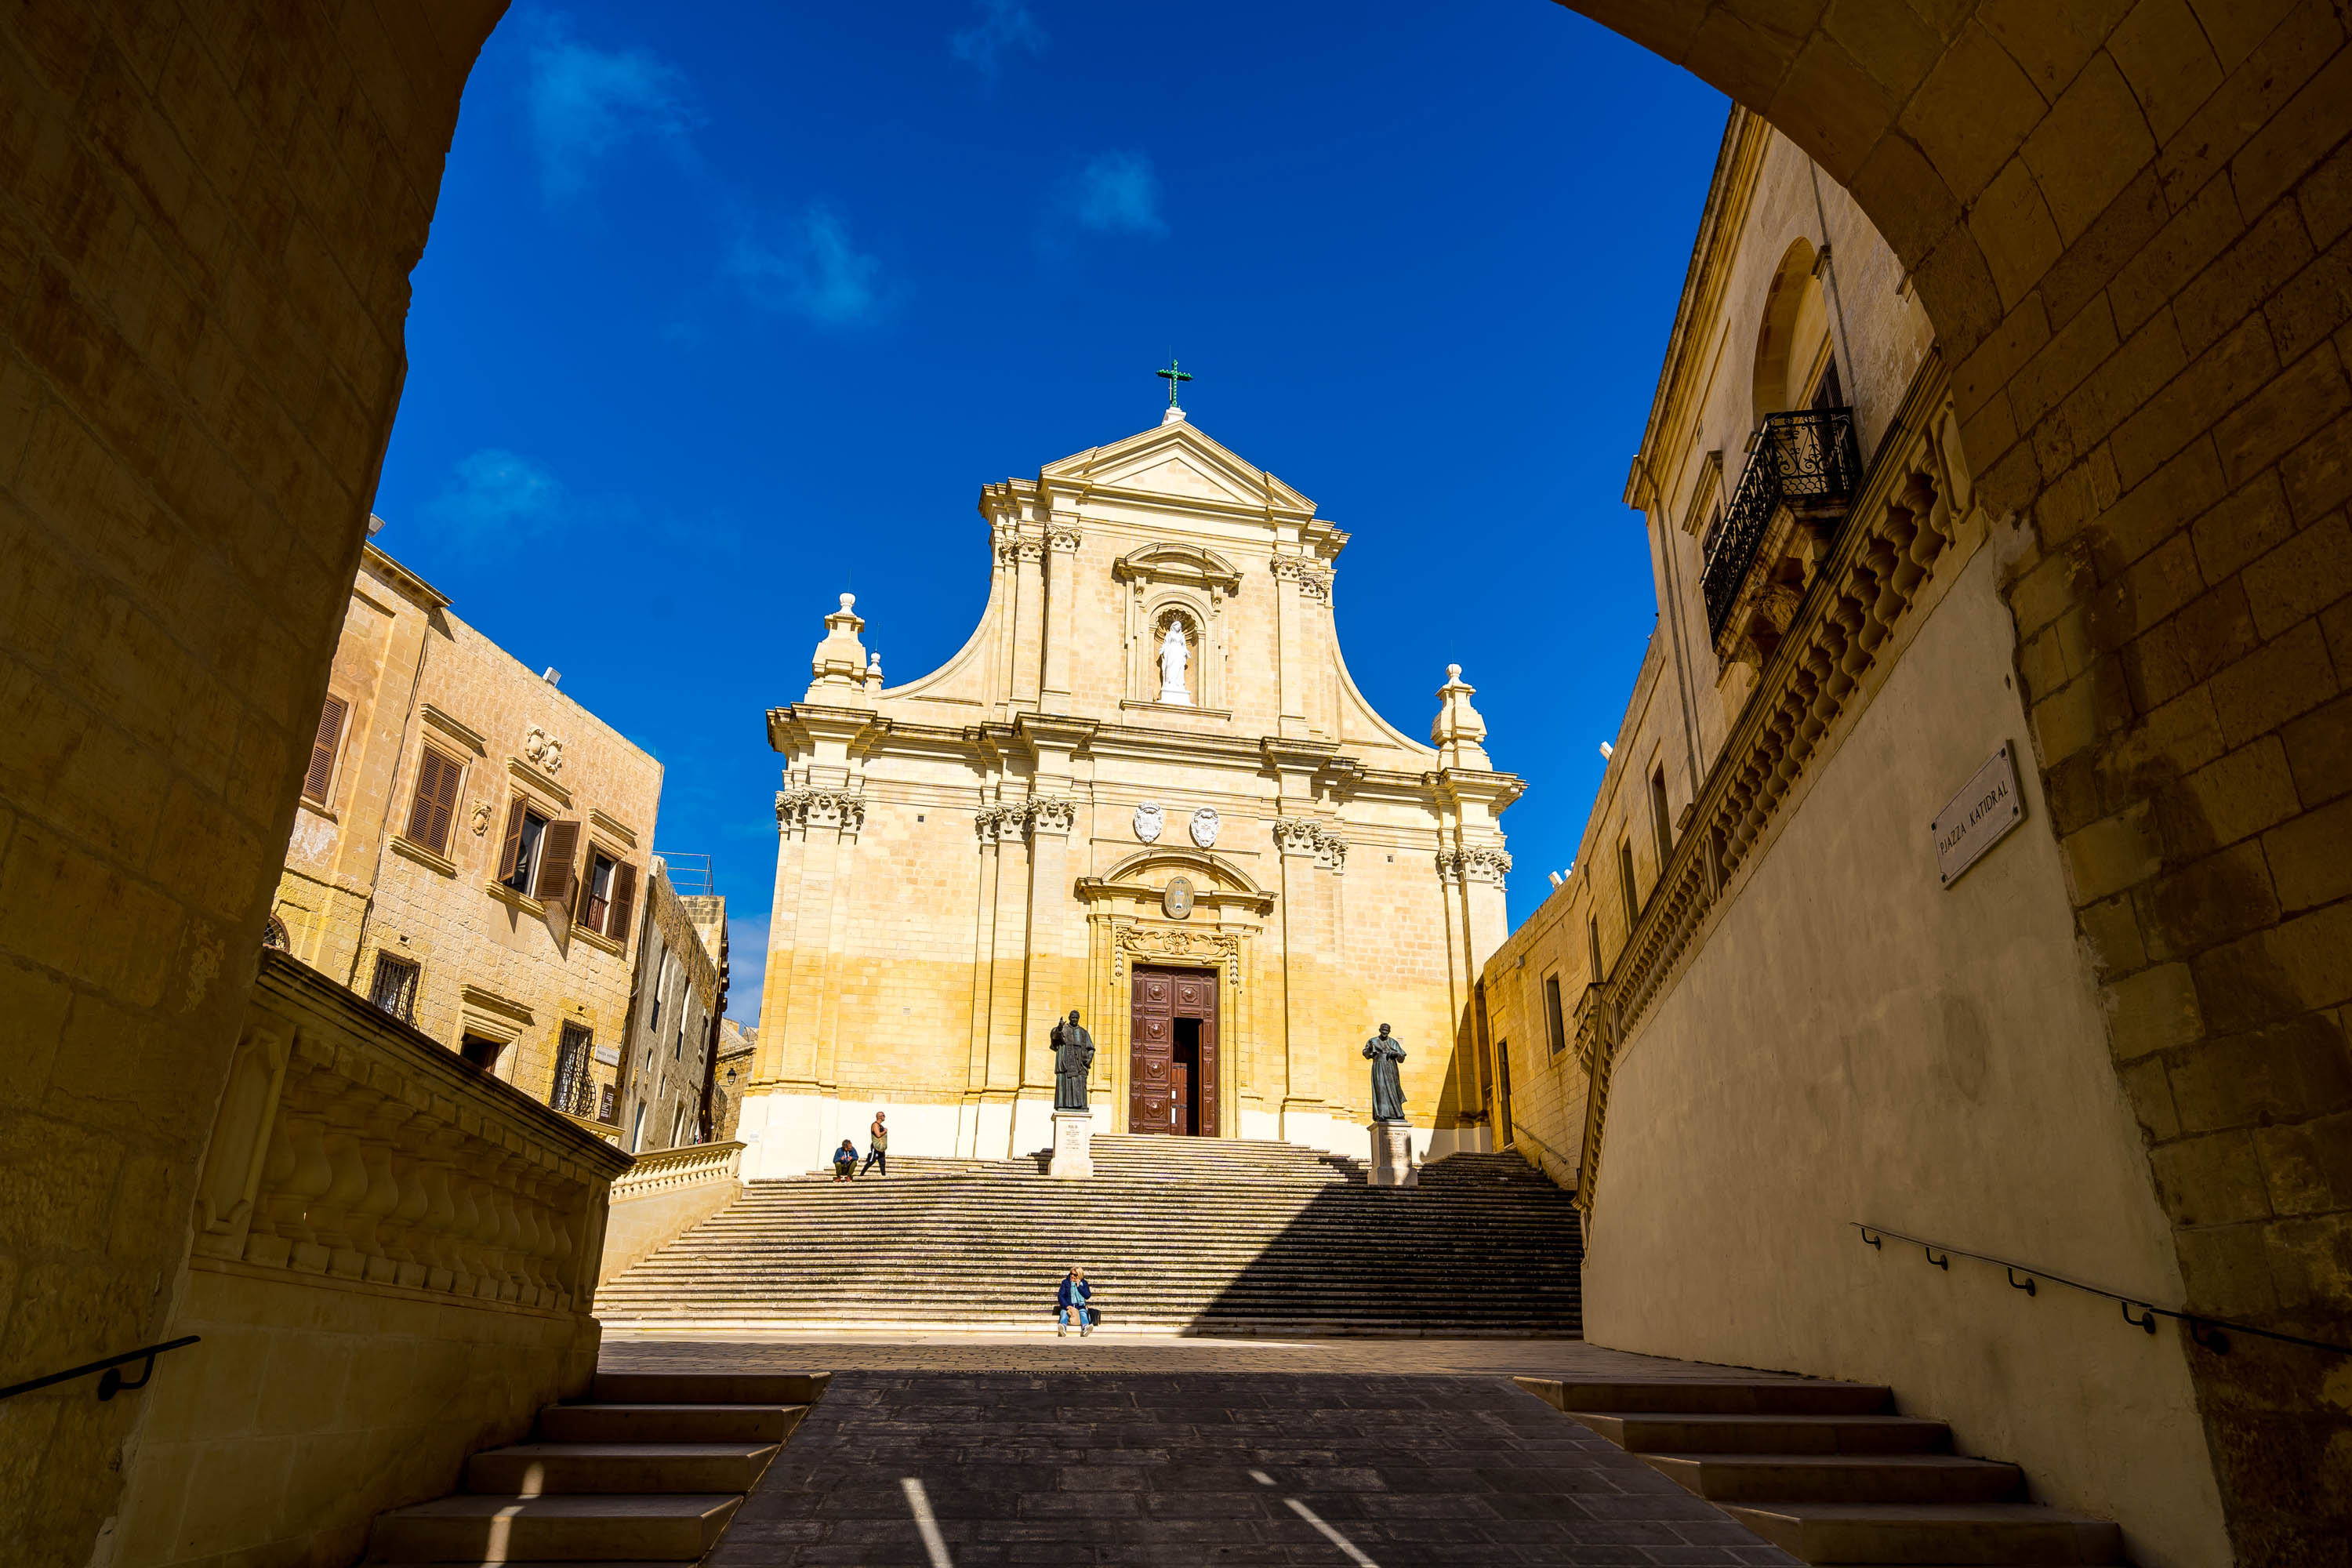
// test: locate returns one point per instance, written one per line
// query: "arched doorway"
(2126, 224)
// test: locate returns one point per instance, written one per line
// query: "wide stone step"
(668, 1526)
(1766, 1479)
(1911, 1533)
(710, 1387)
(1673, 1433)
(537, 1469)
(669, 1422)
(1755, 1396)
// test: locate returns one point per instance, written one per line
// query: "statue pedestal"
(1074, 1139)
(1392, 1163)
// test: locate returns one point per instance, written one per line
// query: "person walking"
(844, 1160)
(879, 1143)
(1071, 1301)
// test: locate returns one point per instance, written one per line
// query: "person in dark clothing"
(844, 1160)
(1071, 1302)
(880, 1136)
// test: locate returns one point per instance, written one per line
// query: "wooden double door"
(1173, 1079)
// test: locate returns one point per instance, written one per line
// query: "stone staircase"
(1828, 1473)
(1205, 1236)
(649, 1472)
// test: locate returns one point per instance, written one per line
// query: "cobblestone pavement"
(959, 1469)
(941, 1350)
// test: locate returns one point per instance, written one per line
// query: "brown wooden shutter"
(321, 776)
(512, 849)
(584, 897)
(624, 902)
(556, 848)
(437, 801)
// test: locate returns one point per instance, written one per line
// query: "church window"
(1555, 1024)
(436, 805)
(394, 987)
(324, 748)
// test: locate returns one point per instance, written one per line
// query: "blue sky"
(728, 308)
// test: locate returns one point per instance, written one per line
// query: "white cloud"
(814, 271)
(495, 491)
(747, 965)
(583, 103)
(1005, 28)
(1118, 193)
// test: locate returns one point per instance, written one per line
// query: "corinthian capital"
(1062, 536)
(1297, 835)
(1050, 814)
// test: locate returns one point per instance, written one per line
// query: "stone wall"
(679, 989)
(394, 1264)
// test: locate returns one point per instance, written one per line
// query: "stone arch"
(2124, 221)
(1792, 332)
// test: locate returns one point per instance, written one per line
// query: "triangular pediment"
(1178, 462)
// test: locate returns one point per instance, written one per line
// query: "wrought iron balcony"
(1806, 460)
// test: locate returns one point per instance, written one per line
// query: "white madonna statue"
(1175, 653)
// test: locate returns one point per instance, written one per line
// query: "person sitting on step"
(844, 1160)
(1071, 1301)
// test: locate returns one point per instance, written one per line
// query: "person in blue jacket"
(1071, 1301)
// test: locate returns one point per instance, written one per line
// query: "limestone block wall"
(678, 990)
(1933, 1060)
(394, 1264)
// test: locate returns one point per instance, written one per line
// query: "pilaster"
(1060, 567)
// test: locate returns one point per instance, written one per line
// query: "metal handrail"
(2205, 1331)
(1802, 455)
(113, 1383)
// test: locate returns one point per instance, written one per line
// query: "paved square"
(1210, 1467)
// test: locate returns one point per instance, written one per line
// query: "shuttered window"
(557, 850)
(624, 902)
(436, 805)
(329, 741)
(596, 891)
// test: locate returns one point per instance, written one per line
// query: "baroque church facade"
(1147, 789)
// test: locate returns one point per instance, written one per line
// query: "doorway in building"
(1173, 1068)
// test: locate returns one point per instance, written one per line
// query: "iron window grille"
(1805, 457)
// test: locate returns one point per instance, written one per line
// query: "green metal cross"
(1171, 375)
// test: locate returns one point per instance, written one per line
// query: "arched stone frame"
(1203, 612)
(1793, 333)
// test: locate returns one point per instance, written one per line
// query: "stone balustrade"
(393, 1263)
(665, 1194)
(350, 1146)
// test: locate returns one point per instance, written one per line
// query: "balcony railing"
(1807, 458)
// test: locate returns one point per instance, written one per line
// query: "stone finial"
(873, 672)
(1458, 729)
(840, 662)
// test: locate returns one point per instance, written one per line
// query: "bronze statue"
(1383, 1050)
(1073, 1058)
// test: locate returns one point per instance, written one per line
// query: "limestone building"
(681, 988)
(468, 850)
(1797, 981)
(731, 1074)
(1145, 788)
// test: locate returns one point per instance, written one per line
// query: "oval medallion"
(1177, 901)
(1148, 819)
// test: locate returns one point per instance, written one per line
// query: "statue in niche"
(1073, 1058)
(1175, 657)
(1384, 1050)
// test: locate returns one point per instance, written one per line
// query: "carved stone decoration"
(1176, 903)
(1313, 582)
(1166, 944)
(997, 824)
(1486, 864)
(1297, 835)
(1331, 850)
(1050, 814)
(1062, 536)
(1204, 826)
(1149, 819)
(807, 808)
(481, 818)
(543, 749)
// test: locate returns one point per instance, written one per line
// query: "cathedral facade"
(1146, 789)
